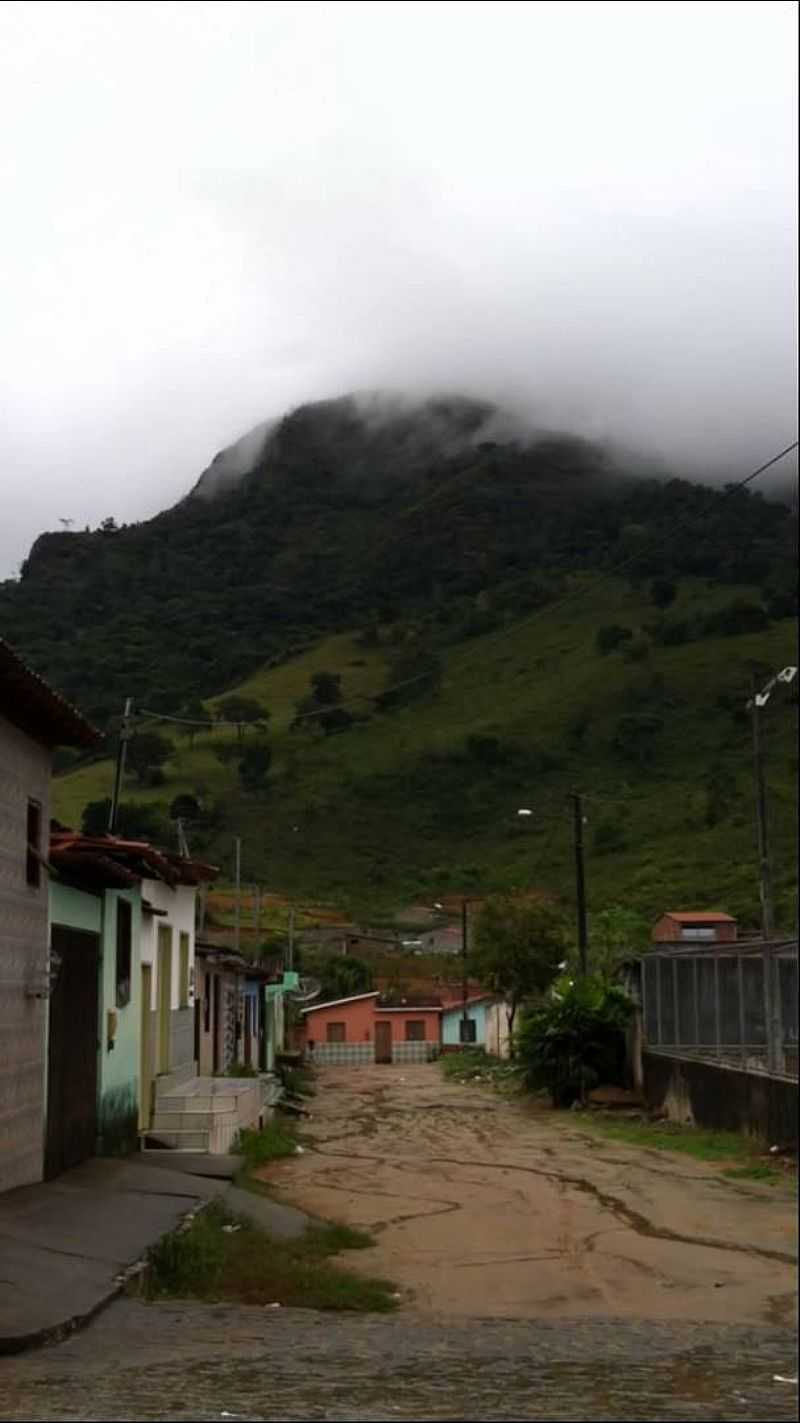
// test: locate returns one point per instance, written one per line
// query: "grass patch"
(272, 1142)
(220, 1258)
(475, 1064)
(690, 1141)
(754, 1173)
(299, 1081)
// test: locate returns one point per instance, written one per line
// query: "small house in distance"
(370, 1027)
(695, 926)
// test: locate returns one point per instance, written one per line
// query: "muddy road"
(487, 1208)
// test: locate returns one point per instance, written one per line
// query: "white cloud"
(216, 210)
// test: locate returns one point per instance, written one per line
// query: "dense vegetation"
(418, 641)
(350, 522)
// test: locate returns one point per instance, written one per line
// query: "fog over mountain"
(584, 214)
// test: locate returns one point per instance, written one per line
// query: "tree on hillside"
(254, 766)
(185, 807)
(326, 688)
(518, 945)
(663, 592)
(244, 711)
(342, 977)
(410, 675)
(194, 711)
(614, 935)
(134, 822)
(147, 752)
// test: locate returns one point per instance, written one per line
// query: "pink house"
(370, 1027)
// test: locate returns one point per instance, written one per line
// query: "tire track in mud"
(637, 1222)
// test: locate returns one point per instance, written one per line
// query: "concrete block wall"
(24, 775)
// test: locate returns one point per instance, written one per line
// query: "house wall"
(451, 1025)
(117, 1060)
(229, 1043)
(722, 1098)
(119, 1063)
(179, 904)
(498, 1041)
(24, 774)
(668, 930)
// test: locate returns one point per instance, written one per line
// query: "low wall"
(414, 1052)
(342, 1054)
(722, 1098)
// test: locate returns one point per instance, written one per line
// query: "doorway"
(146, 1049)
(164, 994)
(383, 1042)
(71, 1133)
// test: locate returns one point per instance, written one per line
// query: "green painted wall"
(118, 1085)
(118, 1065)
(75, 908)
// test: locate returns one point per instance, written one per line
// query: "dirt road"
(486, 1208)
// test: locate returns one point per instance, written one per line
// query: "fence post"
(740, 981)
(659, 964)
(675, 999)
(717, 1015)
(772, 1008)
(696, 981)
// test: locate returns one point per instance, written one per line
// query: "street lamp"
(755, 705)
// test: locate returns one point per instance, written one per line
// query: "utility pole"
(291, 938)
(464, 979)
(257, 911)
(580, 882)
(238, 908)
(765, 877)
(122, 751)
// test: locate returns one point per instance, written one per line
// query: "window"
(697, 931)
(336, 1033)
(184, 971)
(33, 865)
(415, 1030)
(124, 938)
(467, 1030)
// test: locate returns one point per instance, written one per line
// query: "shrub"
(575, 1040)
(611, 636)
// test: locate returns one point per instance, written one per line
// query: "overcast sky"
(214, 211)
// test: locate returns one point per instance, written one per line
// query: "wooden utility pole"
(238, 906)
(290, 964)
(764, 870)
(580, 883)
(464, 975)
(122, 751)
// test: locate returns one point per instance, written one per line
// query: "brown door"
(383, 1042)
(71, 1134)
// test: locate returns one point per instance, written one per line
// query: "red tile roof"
(70, 850)
(699, 916)
(33, 706)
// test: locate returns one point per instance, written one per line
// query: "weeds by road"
(721, 1146)
(475, 1065)
(221, 1258)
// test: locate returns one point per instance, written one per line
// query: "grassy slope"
(395, 809)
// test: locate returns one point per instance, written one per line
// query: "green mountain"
(549, 615)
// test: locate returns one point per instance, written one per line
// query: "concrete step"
(200, 1102)
(188, 1121)
(179, 1140)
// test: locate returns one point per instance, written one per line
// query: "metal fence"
(730, 1003)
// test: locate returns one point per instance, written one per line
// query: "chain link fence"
(735, 1004)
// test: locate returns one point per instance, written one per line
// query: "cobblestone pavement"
(190, 1361)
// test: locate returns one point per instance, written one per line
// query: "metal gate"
(71, 1134)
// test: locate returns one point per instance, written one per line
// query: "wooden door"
(164, 994)
(146, 1048)
(71, 1135)
(383, 1042)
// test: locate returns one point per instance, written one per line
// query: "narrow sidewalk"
(65, 1244)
